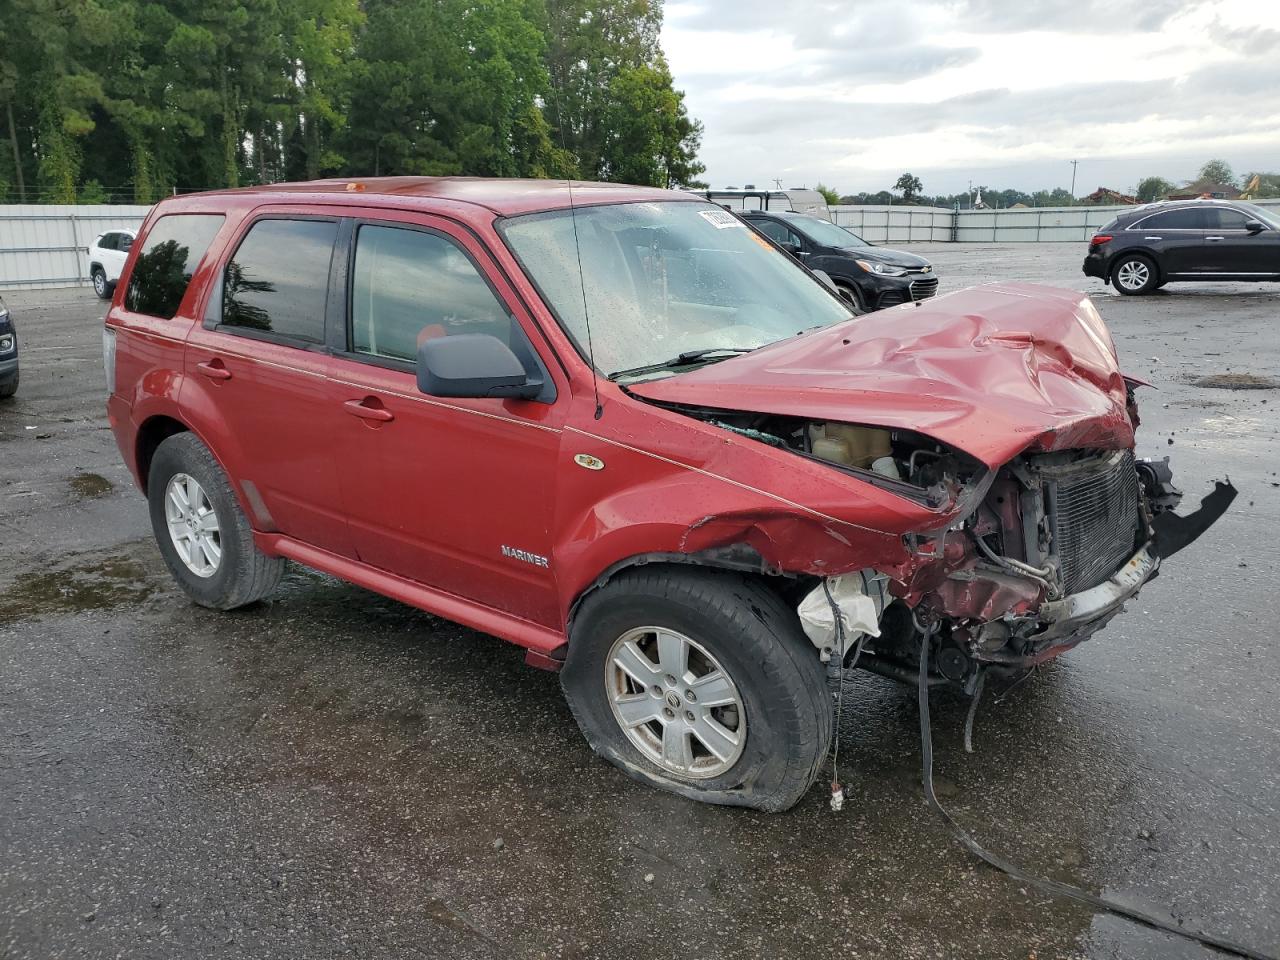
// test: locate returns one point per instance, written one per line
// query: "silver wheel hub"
(193, 525)
(1133, 275)
(675, 702)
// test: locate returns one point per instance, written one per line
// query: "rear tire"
(770, 693)
(203, 535)
(1134, 274)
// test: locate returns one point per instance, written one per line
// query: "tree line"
(131, 100)
(910, 190)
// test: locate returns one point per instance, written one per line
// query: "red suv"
(618, 427)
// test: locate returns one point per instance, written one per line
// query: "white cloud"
(1003, 91)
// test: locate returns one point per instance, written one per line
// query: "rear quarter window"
(175, 245)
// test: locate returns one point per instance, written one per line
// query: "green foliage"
(143, 97)
(909, 185)
(1218, 171)
(1153, 188)
(831, 196)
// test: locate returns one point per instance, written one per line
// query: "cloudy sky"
(1003, 92)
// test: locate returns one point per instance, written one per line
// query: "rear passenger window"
(174, 248)
(1190, 219)
(278, 279)
(410, 286)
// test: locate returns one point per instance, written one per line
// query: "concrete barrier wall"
(896, 224)
(44, 245)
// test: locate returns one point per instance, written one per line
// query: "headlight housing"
(883, 269)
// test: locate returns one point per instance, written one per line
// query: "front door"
(256, 379)
(1177, 236)
(458, 494)
(1235, 252)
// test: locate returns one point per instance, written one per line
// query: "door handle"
(214, 370)
(1153, 238)
(361, 409)
(1214, 238)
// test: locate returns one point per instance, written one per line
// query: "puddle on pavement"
(94, 585)
(90, 485)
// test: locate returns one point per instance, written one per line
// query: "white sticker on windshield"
(720, 219)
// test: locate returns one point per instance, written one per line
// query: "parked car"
(1143, 249)
(107, 255)
(872, 277)
(638, 440)
(8, 354)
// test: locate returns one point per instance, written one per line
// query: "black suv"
(8, 354)
(1150, 246)
(872, 277)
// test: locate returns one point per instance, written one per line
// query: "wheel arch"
(152, 432)
(740, 558)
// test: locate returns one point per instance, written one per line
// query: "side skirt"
(542, 642)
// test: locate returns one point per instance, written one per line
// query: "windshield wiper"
(683, 359)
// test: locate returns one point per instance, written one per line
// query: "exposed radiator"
(1093, 515)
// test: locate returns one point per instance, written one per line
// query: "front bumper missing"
(1089, 609)
(1076, 618)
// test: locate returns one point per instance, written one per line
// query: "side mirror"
(1254, 226)
(472, 365)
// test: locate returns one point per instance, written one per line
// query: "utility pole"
(1073, 177)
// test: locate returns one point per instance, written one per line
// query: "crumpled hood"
(992, 370)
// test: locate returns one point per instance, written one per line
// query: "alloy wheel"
(193, 525)
(99, 283)
(1133, 274)
(675, 702)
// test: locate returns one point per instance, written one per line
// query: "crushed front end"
(1056, 545)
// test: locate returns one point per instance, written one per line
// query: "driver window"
(775, 231)
(409, 286)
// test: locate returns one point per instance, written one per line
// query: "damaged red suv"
(617, 427)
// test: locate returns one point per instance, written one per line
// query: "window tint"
(108, 241)
(774, 231)
(1220, 218)
(1188, 219)
(123, 242)
(170, 256)
(278, 280)
(410, 286)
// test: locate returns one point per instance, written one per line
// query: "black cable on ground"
(1053, 887)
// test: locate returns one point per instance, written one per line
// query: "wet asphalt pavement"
(333, 774)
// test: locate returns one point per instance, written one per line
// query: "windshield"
(825, 232)
(1270, 217)
(664, 279)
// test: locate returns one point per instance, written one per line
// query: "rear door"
(458, 494)
(1234, 251)
(1176, 237)
(256, 376)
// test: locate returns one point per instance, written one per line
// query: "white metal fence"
(906, 224)
(44, 246)
(896, 224)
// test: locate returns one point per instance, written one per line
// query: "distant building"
(1205, 189)
(1019, 206)
(1105, 196)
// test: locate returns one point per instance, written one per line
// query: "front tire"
(700, 683)
(1134, 274)
(203, 535)
(853, 297)
(101, 285)
(8, 387)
